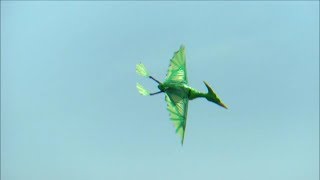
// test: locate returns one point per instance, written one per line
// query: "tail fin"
(142, 90)
(141, 70)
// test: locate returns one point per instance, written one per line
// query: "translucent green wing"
(177, 72)
(178, 108)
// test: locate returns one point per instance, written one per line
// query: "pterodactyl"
(177, 91)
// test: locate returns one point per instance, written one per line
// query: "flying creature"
(177, 91)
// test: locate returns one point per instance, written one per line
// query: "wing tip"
(182, 140)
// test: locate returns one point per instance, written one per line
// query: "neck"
(196, 94)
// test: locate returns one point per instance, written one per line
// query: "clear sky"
(70, 109)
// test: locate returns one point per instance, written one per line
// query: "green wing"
(177, 72)
(177, 101)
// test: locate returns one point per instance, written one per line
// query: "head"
(212, 97)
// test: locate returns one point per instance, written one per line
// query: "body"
(177, 91)
(189, 92)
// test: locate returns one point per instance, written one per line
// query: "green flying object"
(177, 91)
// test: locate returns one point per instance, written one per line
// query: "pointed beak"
(222, 105)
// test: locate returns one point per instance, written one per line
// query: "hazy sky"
(70, 109)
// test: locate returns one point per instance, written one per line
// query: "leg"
(151, 94)
(154, 79)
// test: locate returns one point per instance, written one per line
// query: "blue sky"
(70, 110)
